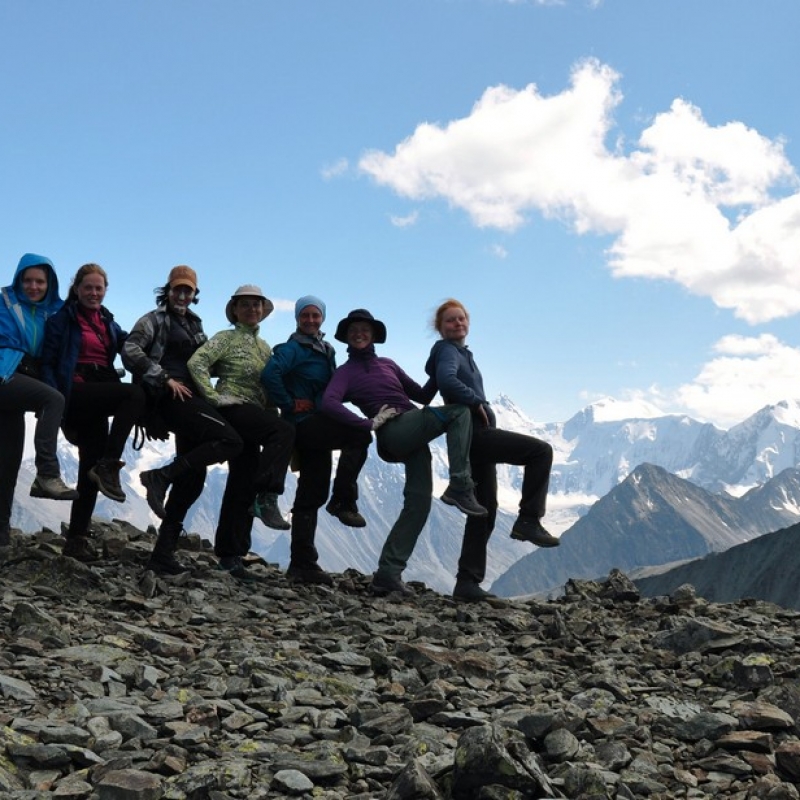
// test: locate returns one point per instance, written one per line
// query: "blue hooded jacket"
(22, 321)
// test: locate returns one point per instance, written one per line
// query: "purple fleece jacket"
(370, 382)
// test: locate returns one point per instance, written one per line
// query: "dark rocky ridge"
(767, 568)
(118, 685)
(654, 518)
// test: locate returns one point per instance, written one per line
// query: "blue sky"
(610, 187)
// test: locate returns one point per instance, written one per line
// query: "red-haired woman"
(460, 381)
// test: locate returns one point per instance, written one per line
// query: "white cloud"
(406, 221)
(335, 170)
(746, 374)
(498, 251)
(710, 208)
(283, 305)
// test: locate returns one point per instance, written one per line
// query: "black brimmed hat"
(361, 315)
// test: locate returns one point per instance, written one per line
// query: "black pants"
(20, 394)
(86, 425)
(316, 438)
(260, 467)
(12, 443)
(202, 437)
(491, 446)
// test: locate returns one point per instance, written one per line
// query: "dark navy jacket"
(458, 377)
(62, 345)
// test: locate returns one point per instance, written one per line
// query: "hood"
(33, 260)
(430, 364)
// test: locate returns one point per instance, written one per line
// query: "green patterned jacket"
(236, 358)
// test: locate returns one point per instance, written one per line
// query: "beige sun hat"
(248, 290)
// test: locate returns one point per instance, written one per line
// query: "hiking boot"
(236, 568)
(471, 592)
(5, 536)
(312, 574)
(105, 475)
(530, 529)
(52, 487)
(80, 548)
(347, 515)
(383, 584)
(157, 484)
(166, 564)
(265, 508)
(464, 500)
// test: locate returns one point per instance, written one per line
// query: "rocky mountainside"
(654, 517)
(117, 685)
(767, 568)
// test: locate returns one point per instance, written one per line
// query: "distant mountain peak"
(609, 409)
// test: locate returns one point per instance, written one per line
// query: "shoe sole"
(275, 526)
(156, 507)
(518, 537)
(41, 494)
(350, 522)
(385, 591)
(469, 512)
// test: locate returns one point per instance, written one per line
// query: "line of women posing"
(232, 398)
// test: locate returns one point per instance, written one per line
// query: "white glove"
(384, 415)
(228, 400)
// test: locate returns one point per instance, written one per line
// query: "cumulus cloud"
(744, 375)
(712, 208)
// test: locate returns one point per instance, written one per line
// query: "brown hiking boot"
(530, 529)
(51, 487)
(105, 475)
(347, 515)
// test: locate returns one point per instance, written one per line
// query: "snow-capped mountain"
(595, 450)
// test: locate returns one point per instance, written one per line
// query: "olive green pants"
(405, 439)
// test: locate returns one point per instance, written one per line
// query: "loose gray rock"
(116, 683)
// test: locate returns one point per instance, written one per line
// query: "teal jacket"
(299, 369)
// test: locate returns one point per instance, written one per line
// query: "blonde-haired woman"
(459, 380)
(80, 345)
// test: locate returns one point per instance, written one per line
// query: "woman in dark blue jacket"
(81, 342)
(460, 381)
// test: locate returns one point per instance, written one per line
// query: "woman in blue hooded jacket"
(81, 343)
(24, 307)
